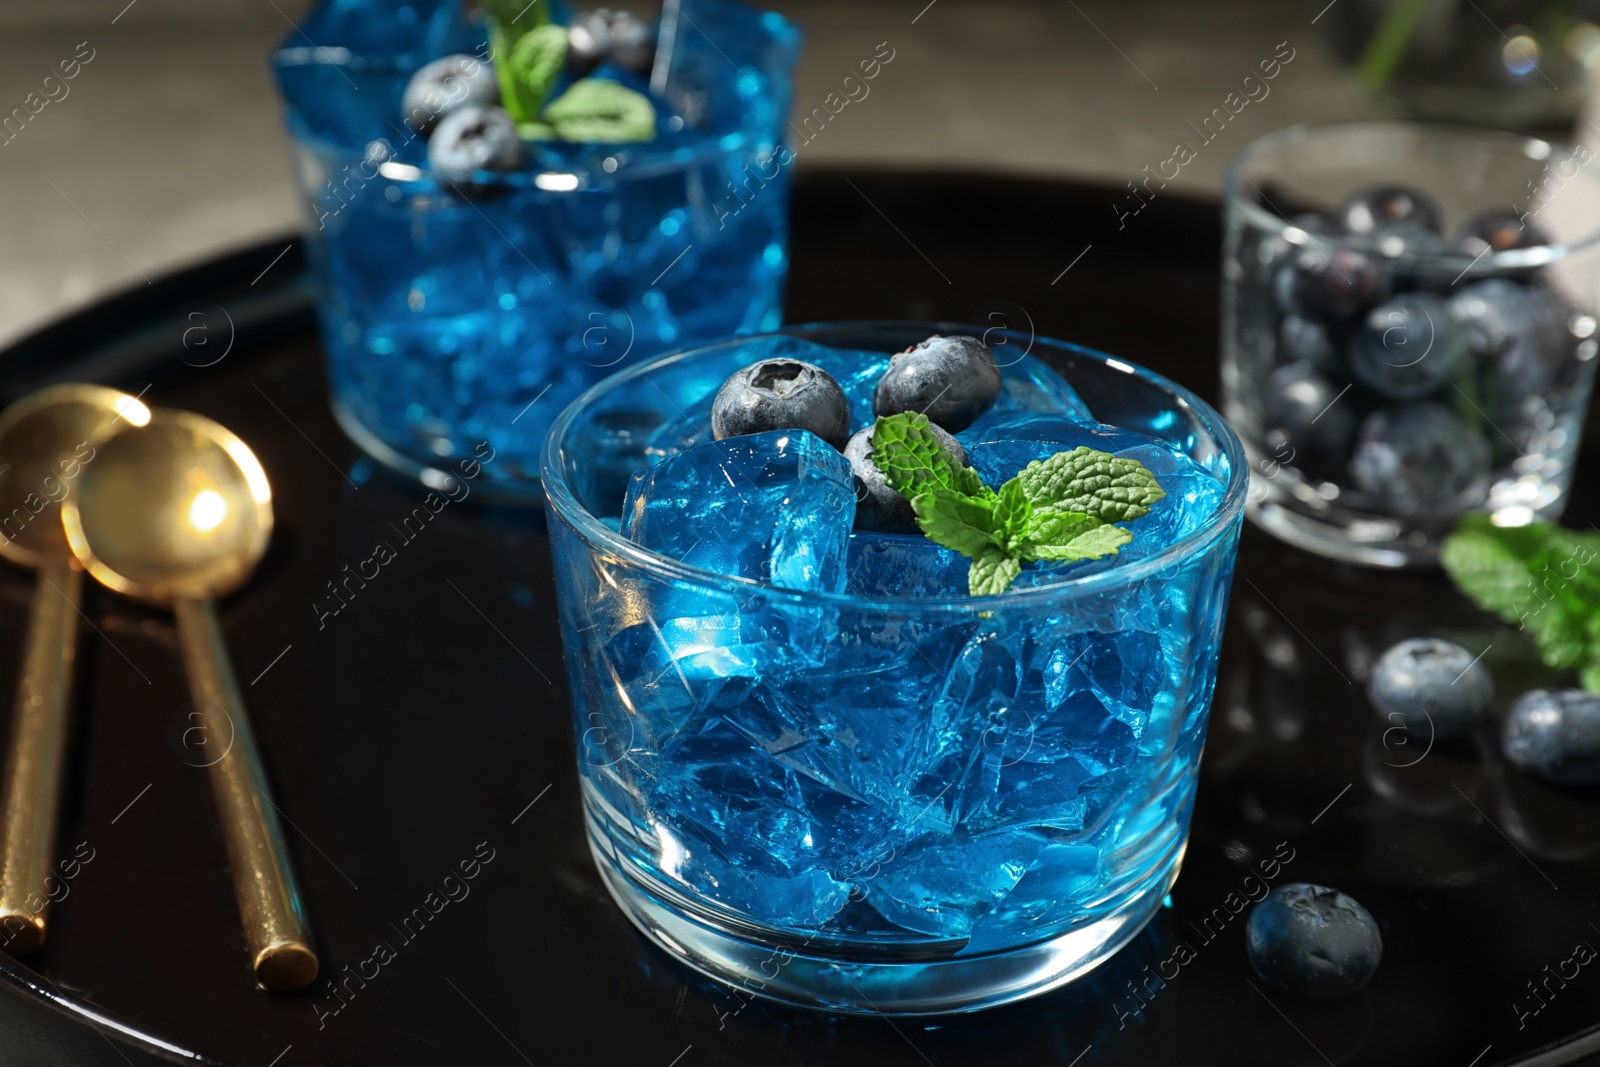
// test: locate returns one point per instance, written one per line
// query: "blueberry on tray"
(1313, 942)
(1431, 688)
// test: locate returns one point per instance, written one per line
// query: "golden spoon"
(178, 512)
(45, 442)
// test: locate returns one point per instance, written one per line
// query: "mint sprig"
(599, 111)
(1539, 577)
(1061, 508)
(530, 55)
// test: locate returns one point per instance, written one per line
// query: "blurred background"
(167, 147)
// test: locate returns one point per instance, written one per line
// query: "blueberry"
(620, 37)
(1313, 942)
(1382, 205)
(1419, 459)
(473, 138)
(1305, 341)
(952, 380)
(781, 394)
(1408, 347)
(1303, 413)
(1330, 284)
(1520, 331)
(1429, 687)
(879, 507)
(1498, 230)
(444, 85)
(1537, 356)
(1554, 734)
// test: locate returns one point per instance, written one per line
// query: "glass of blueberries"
(813, 766)
(1408, 331)
(474, 273)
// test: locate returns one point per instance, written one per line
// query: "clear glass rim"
(1235, 200)
(562, 500)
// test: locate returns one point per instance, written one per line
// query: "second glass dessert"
(499, 216)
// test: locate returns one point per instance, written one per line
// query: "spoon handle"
(31, 793)
(263, 882)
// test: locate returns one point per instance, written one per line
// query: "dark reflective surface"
(418, 722)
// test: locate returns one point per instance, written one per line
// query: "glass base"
(434, 473)
(790, 975)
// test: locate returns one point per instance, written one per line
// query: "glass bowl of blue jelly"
(463, 306)
(1408, 331)
(815, 766)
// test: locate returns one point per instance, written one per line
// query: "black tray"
(430, 715)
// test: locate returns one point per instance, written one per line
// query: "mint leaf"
(1535, 576)
(1589, 677)
(530, 69)
(1562, 639)
(1012, 516)
(598, 111)
(1494, 566)
(992, 571)
(1095, 483)
(1090, 541)
(1050, 527)
(1538, 577)
(964, 524)
(509, 22)
(911, 459)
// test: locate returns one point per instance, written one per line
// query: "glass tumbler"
(895, 804)
(1408, 330)
(455, 313)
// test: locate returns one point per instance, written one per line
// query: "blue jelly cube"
(771, 507)
(941, 890)
(1061, 880)
(806, 900)
(1029, 386)
(903, 565)
(1193, 496)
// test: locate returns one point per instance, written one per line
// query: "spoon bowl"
(46, 444)
(180, 509)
